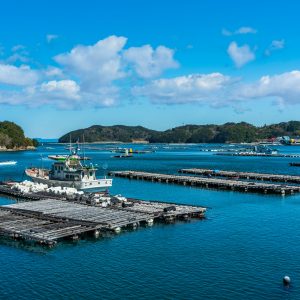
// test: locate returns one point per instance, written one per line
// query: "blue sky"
(65, 65)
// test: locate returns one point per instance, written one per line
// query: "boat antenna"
(70, 146)
(83, 148)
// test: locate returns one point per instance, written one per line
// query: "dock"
(48, 221)
(257, 154)
(216, 183)
(243, 175)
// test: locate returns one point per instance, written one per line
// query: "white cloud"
(17, 48)
(53, 72)
(96, 65)
(98, 68)
(62, 94)
(18, 76)
(240, 55)
(275, 45)
(51, 37)
(149, 62)
(245, 30)
(219, 90)
(200, 88)
(226, 32)
(284, 87)
(241, 30)
(19, 54)
(67, 89)
(17, 57)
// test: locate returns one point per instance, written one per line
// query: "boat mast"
(83, 149)
(70, 146)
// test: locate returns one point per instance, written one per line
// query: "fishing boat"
(8, 163)
(64, 157)
(128, 154)
(58, 157)
(70, 172)
(123, 156)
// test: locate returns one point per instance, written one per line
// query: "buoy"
(117, 229)
(75, 237)
(286, 280)
(150, 222)
(96, 233)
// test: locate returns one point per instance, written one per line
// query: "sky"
(66, 65)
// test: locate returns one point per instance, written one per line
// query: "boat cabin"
(72, 171)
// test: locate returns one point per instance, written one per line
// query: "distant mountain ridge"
(228, 132)
(118, 133)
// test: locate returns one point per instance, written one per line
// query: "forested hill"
(118, 133)
(12, 137)
(229, 132)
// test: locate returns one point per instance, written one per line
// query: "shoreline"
(31, 148)
(166, 143)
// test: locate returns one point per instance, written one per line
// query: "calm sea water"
(242, 251)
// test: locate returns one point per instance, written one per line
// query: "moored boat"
(70, 172)
(8, 163)
(64, 157)
(128, 154)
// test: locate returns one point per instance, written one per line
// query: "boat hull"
(88, 186)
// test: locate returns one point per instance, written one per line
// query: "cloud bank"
(87, 75)
(107, 72)
(218, 90)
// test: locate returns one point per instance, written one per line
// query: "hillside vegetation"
(12, 137)
(118, 133)
(229, 132)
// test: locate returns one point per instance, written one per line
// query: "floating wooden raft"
(47, 221)
(243, 175)
(257, 154)
(31, 196)
(217, 183)
(295, 164)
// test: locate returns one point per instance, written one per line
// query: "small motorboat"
(8, 163)
(123, 156)
(128, 154)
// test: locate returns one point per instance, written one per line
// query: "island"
(12, 138)
(227, 133)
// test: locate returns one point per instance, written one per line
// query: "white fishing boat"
(70, 172)
(8, 163)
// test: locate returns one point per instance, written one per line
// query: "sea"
(242, 250)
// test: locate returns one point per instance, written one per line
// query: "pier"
(216, 183)
(48, 221)
(257, 154)
(243, 175)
